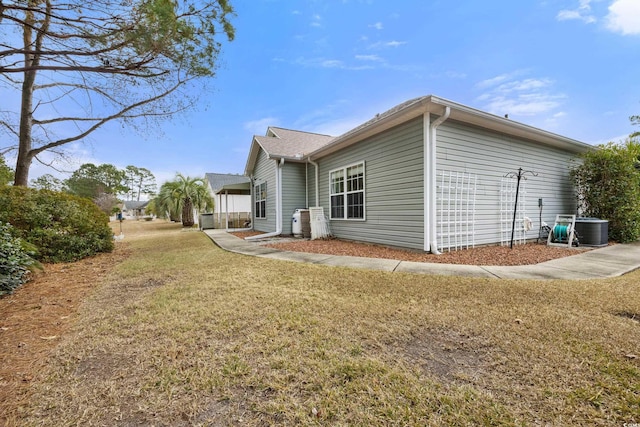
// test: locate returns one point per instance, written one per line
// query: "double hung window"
(347, 192)
(260, 195)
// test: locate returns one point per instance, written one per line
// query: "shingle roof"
(135, 204)
(303, 145)
(218, 180)
(291, 143)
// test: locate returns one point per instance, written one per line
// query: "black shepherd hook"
(519, 175)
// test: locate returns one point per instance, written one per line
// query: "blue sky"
(566, 66)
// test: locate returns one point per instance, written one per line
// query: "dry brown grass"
(182, 333)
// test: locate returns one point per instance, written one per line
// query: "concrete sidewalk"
(610, 261)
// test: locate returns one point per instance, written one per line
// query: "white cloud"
(329, 63)
(492, 81)
(582, 13)
(624, 17)
(327, 119)
(393, 43)
(523, 105)
(524, 85)
(317, 21)
(509, 94)
(259, 126)
(339, 126)
(375, 58)
(377, 26)
(617, 138)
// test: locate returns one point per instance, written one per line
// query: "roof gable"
(289, 144)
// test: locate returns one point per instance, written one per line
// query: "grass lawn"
(183, 333)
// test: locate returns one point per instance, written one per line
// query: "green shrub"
(15, 261)
(61, 226)
(608, 183)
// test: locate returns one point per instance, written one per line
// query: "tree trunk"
(187, 213)
(25, 155)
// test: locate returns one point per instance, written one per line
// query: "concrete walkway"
(610, 261)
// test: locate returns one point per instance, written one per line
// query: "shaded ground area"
(37, 315)
(530, 253)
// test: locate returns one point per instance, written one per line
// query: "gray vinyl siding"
(264, 170)
(490, 156)
(394, 187)
(311, 184)
(293, 192)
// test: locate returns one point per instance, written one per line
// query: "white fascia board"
(472, 116)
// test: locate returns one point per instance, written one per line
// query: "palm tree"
(167, 202)
(180, 197)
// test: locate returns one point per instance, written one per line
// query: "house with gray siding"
(278, 171)
(428, 174)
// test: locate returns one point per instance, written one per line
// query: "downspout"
(252, 201)
(433, 239)
(316, 183)
(306, 185)
(278, 231)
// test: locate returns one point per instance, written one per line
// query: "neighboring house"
(428, 174)
(134, 208)
(232, 197)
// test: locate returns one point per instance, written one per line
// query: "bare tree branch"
(104, 120)
(110, 59)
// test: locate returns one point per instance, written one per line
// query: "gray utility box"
(592, 231)
(206, 221)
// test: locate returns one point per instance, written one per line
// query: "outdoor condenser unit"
(592, 231)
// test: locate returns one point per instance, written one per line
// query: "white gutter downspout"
(278, 231)
(433, 239)
(306, 185)
(317, 194)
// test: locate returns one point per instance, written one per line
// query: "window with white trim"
(260, 192)
(347, 192)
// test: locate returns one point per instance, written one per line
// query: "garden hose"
(561, 232)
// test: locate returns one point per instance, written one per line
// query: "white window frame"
(344, 193)
(258, 199)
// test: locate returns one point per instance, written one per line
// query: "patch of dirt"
(448, 355)
(527, 254)
(36, 315)
(629, 315)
